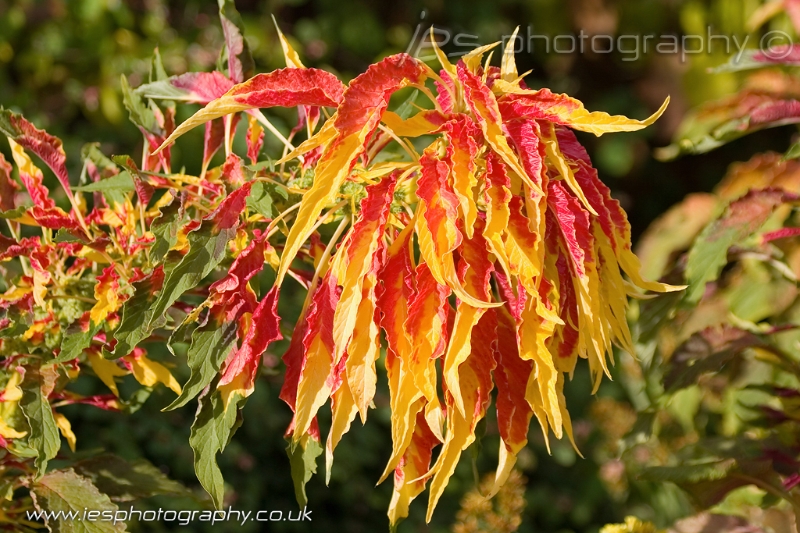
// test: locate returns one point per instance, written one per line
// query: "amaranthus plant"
(719, 382)
(469, 236)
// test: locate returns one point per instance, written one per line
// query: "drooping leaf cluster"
(470, 240)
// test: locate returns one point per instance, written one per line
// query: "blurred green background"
(60, 64)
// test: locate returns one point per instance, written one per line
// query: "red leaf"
(542, 105)
(41, 143)
(255, 138)
(227, 213)
(232, 170)
(289, 87)
(515, 300)
(368, 94)
(264, 329)
(446, 92)
(55, 218)
(240, 61)
(318, 321)
(575, 226)
(202, 87)
(293, 359)
(525, 135)
(8, 186)
(213, 139)
(441, 203)
(785, 54)
(566, 344)
(144, 191)
(357, 117)
(9, 248)
(394, 293)
(511, 377)
(780, 234)
(246, 265)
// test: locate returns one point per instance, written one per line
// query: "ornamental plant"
(719, 382)
(462, 244)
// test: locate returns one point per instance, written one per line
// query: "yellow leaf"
(460, 429)
(315, 383)
(289, 54)
(66, 430)
(8, 432)
(8, 406)
(364, 350)
(508, 65)
(408, 402)
(459, 349)
(12, 392)
(555, 156)
(598, 122)
(473, 58)
(410, 478)
(239, 387)
(441, 56)
(423, 123)
(538, 324)
(442, 267)
(344, 410)
(106, 370)
(40, 281)
(571, 112)
(331, 171)
(23, 162)
(105, 292)
(631, 525)
(632, 267)
(149, 372)
(325, 135)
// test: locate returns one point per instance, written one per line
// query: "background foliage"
(60, 64)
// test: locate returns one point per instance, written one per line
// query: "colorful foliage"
(488, 253)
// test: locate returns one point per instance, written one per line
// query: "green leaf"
(260, 200)
(66, 492)
(261, 165)
(407, 108)
(165, 228)
(18, 325)
(125, 481)
(91, 152)
(121, 182)
(754, 59)
(140, 114)
(706, 351)
(743, 218)
(162, 89)
(211, 432)
(211, 344)
(114, 189)
(44, 436)
(136, 314)
(690, 473)
(708, 482)
(75, 340)
(136, 400)
(12, 214)
(63, 235)
(303, 459)
(793, 152)
(207, 247)
(157, 70)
